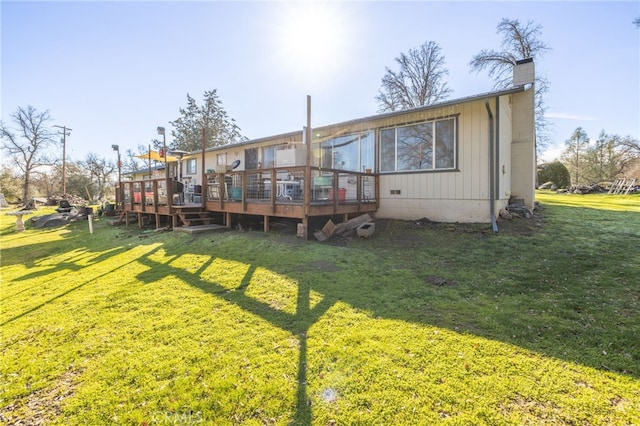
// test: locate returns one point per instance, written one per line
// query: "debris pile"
(345, 229)
(517, 209)
(73, 200)
(584, 189)
(60, 219)
(549, 185)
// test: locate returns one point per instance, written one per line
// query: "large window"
(424, 146)
(351, 152)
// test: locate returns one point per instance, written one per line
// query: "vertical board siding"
(505, 147)
(470, 181)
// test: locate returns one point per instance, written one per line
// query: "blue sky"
(114, 71)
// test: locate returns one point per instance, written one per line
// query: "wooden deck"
(298, 193)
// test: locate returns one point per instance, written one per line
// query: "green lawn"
(423, 323)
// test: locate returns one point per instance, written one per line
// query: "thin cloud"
(563, 116)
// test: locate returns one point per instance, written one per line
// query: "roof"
(442, 104)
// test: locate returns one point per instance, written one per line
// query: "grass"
(423, 323)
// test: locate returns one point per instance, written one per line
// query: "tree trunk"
(25, 192)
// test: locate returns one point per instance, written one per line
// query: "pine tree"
(211, 116)
(575, 155)
(603, 160)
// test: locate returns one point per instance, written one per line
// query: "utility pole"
(65, 129)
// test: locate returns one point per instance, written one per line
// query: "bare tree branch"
(418, 82)
(519, 41)
(28, 150)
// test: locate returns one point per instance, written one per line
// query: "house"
(455, 161)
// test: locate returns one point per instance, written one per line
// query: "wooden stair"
(190, 218)
(125, 216)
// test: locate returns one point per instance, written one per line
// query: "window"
(221, 159)
(351, 152)
(367, 151)
(268, 157)
(191, 166)
(251, 158)
(424, 146)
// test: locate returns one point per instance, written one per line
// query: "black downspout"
(492, 207)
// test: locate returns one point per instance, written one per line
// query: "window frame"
(384, 144)
(363, 141)
(192, 166)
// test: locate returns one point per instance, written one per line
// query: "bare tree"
(418, 82)
(629, 149)
(27, 145)
(78, 179)
(100, 171)
(628, 144)
(519, 41)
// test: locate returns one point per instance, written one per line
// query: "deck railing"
(282, 185)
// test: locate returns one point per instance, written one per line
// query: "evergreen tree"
(575, 155)
(603, 160)
(211, 116)
(555, 172)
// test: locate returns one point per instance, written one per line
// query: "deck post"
(227, 220)
(306, 199)
(203, 177)
(305, 223)
(266, 223)
(273, 190)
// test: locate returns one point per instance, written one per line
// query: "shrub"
(555, 172)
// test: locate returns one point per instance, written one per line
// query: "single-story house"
(456, 161)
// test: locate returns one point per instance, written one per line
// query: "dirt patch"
(41, 406)
(440, 282)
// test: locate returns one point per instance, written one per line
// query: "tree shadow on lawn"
(458, 277)
(61, 267)
(297, 324)
(74, 250)
(531, 305)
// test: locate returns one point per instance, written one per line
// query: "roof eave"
(442, 104)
